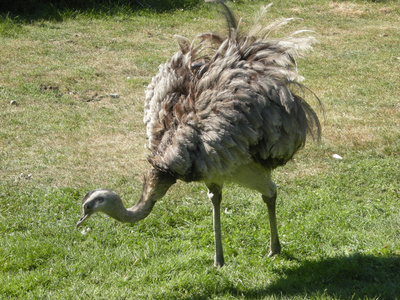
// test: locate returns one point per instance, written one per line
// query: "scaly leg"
(275, 247)
(215, 193)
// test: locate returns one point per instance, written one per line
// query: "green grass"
(338, 220)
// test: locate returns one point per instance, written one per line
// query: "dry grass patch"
(52, 132)
(348, 9)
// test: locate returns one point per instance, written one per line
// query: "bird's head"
(100, 200)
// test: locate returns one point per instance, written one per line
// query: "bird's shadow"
(345, 277)
(355, 276)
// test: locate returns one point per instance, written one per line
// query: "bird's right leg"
(215, 195)
(270, 200)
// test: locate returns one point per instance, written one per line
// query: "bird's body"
(208, 117)
(220, 110)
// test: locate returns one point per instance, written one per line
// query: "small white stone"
(337, 156)
(114, 95)
(85, 230)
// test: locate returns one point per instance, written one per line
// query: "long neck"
(155, 186)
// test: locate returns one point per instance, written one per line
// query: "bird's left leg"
(215, 195)
(270, 199)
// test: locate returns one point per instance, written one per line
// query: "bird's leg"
(275, 247)
(215, 193)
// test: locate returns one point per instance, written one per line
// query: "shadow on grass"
(347, 277)
(355, 276)
(32, 10)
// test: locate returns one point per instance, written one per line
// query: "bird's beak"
(82, 219)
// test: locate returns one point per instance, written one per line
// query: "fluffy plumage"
(224, 102)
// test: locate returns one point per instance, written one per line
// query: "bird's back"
(226, 103)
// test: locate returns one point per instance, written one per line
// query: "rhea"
(224, 108)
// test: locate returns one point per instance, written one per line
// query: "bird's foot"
(271, 253)
(275, 249)
(218, 264)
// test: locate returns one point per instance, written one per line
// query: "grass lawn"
(71, 103)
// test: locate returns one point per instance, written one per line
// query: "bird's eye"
(100, 199)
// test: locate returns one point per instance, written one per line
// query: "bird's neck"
(156, 184)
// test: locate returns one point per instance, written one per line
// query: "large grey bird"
(223, 109)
